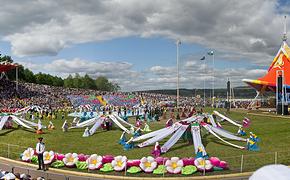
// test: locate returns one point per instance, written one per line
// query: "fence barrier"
(237, 164)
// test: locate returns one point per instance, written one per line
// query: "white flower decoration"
(148, 164)
(174, 165)
(203, 164)
(48, 157)
(70, 159)
(27, 154)
(94, 162)
(119, 163)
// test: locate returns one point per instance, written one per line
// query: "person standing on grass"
(40, 148)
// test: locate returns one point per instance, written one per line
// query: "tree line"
(101, 83)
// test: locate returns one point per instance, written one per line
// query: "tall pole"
(213, 80)
(177, 72)
(204, 83)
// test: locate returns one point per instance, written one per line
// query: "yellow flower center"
(174, 165)
(47, 157)
(27, 154)
(94, 161)
(70, 159)
(202, 162)
(147, 164)
(119, 163)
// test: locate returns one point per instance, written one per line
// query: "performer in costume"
(123, 139)
(146, 128)
(169, 122)
(241, 132)
(156, 150)
(65, 126)
(39, 128)
(50, 126)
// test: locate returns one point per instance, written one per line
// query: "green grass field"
(274, 134)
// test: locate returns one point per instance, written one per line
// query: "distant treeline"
(239, 92)
(85, 82)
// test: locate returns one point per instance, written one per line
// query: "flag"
(210, 53)
(203, 58)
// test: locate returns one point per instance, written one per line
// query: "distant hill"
(242, 92)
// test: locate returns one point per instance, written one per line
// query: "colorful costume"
(123, 139)
(50, 126)
(252, 142)
(169, 122)
(201, 153)
(157, 150)
(241, 132)
(146, 128)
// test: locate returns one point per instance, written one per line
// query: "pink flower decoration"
(215, 161)
(60, 157)
(188, 161)
(135, 162)
(224, 165)
(108, 159)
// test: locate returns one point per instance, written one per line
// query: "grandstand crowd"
(54, 98)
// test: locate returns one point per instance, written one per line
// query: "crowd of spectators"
(52, 97)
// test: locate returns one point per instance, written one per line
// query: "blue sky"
(134, 44)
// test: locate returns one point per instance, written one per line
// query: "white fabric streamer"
(196, 138)
(96, 126)
(213, 133)
(174, 138)
(227, 119)
(159, 137)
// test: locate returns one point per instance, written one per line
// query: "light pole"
(213, 79)
(178, 42)
(204, 83)
(211, 53)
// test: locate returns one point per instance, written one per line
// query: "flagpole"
(204, 83)
(177, 72)
(213, 79)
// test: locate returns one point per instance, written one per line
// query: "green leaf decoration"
(34, 160)
(81, 165)
(134, 170)
(107, 168)
(160, 170)
(188, 170)
(57, 164)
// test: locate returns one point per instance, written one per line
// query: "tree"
(88, 82)
(68, 82)
(6, 58)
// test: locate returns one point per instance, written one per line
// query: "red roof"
(280, 62)
(6, 66)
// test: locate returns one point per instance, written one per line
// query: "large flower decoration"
(27, 154)
(48, 157)
(174, 165)
(203, 164)
(119, 163)
(148, 164)
(70, 159)
(94, 162)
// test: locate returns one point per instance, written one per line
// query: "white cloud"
(156, 78)
(236, 30)
(44, 28)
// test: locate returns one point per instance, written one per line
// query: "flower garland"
(108, 163)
